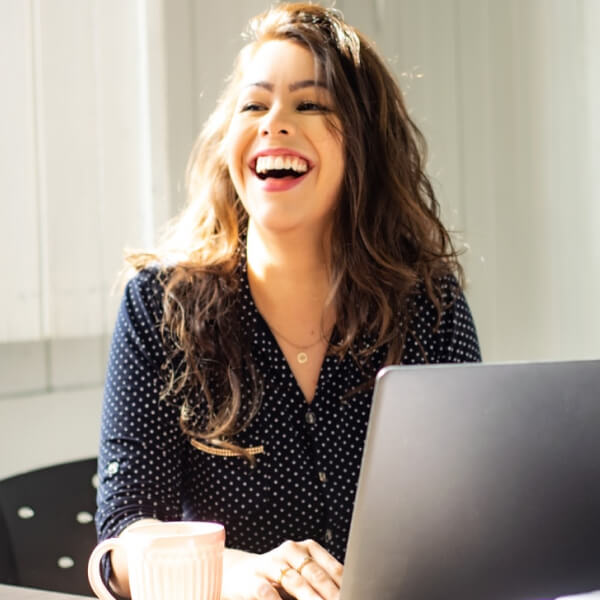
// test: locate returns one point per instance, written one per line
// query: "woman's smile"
(280, 168)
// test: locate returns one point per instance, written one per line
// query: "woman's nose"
(276, 122)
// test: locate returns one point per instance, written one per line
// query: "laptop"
(479, 482)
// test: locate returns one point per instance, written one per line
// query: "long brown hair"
(387, 237)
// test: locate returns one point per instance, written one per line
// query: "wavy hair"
(387, 239)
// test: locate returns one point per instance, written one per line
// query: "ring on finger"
(283, 572)
(308, 558)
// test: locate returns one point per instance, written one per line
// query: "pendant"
(302, 357)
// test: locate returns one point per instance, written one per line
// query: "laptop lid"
(479, 482)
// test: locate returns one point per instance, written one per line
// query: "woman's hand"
(302, 570)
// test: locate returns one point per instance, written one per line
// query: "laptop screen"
(479, 482)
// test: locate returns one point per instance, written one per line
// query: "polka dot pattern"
(302, 486)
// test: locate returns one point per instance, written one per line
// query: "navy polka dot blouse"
(308, 455)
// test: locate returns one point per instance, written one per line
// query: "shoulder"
(149, 281)
(449, 327)
(448, 292)
(179, 287)
(146, 287)
(142, 301)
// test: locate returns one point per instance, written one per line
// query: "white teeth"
(270, 163)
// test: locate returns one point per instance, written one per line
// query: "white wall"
(82, 158)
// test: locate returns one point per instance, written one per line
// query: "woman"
(310, 255)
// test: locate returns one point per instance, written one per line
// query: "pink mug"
(180, 560)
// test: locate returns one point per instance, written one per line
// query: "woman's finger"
(264, 590)
(274, 565)
(278, 571)
(308, 578)
(300, 588)
(326, 561)
(318, 579)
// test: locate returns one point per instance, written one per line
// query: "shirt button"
(309, 417)
(328, 535)
(112, 468)
(322, 476)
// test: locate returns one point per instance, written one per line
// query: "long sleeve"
(141, 444)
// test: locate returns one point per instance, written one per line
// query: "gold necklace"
(301, 356)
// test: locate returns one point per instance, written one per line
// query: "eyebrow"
(297, 85)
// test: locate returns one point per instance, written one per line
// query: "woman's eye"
(312, 106)
(252, 106)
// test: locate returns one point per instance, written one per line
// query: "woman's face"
(284, 158)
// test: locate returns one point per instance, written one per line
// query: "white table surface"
(12, 592)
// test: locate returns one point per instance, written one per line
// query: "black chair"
(46, 527)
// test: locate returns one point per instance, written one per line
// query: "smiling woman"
(310, 254)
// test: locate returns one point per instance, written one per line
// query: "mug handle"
(94, 577)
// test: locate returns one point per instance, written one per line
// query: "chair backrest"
(46, 527)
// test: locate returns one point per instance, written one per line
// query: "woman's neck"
(287, 265)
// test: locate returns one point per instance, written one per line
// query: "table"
(13, 592)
